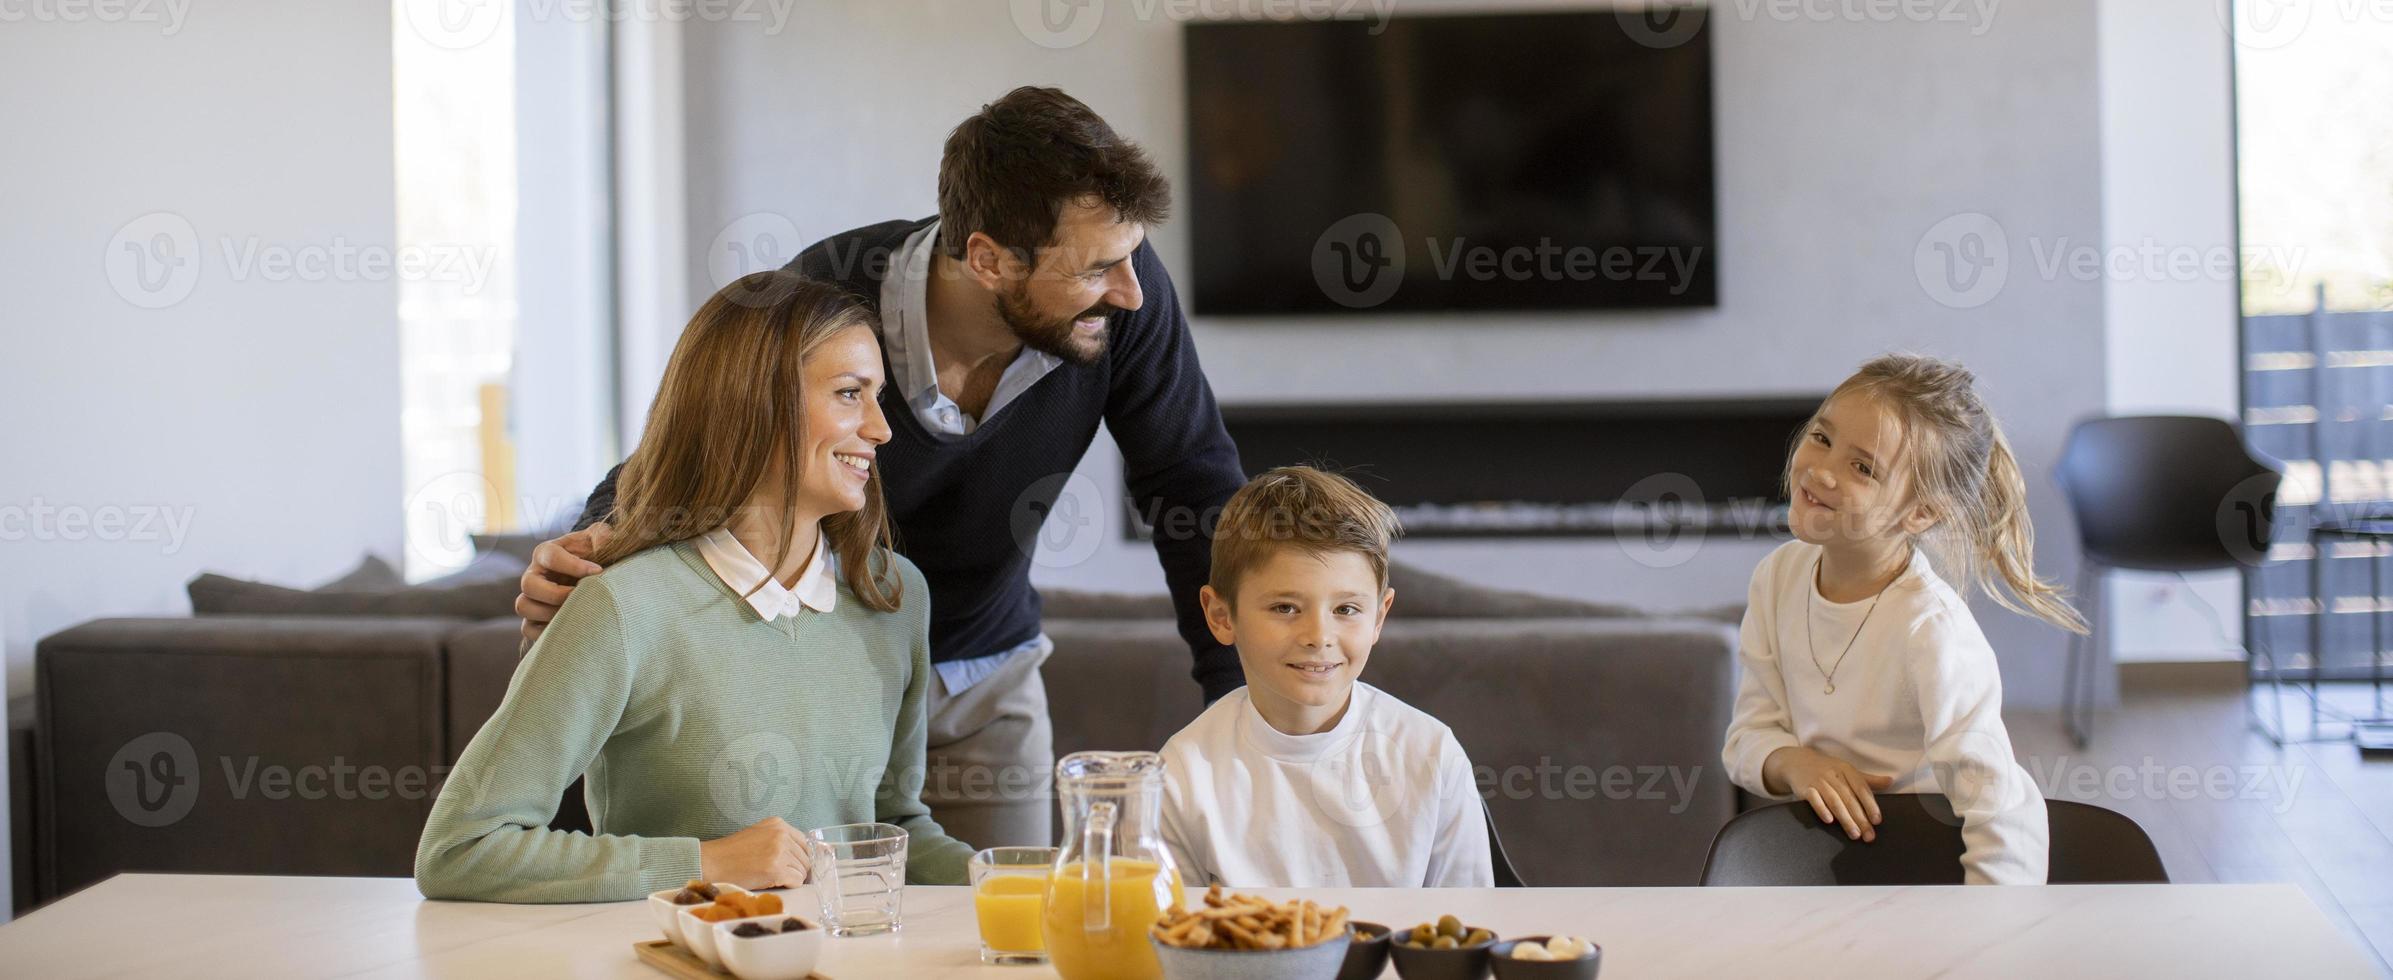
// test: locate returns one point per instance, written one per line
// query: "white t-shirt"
(1918, 697)
(1383, 799)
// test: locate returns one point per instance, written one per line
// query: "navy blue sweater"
(968, 510)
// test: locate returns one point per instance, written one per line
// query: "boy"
(1305, 777)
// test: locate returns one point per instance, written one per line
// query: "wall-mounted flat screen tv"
(1486, 162)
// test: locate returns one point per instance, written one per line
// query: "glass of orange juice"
(1009, 896)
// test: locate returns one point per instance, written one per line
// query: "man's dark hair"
(1009, 171)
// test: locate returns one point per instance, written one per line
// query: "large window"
(504, 189)
(2314, 87)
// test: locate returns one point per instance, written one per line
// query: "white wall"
(1840, 146)
(2168, 174)
(262, 416)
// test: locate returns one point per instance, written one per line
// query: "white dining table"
(254, 926)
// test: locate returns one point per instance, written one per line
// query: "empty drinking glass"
(860, 873)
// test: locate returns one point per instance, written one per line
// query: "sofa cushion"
(1420, 594)
(371, 574)
(219, 595)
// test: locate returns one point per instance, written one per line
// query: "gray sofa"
(312, 744)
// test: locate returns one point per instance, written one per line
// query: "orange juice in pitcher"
(1113, 878)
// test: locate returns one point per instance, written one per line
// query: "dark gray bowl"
(1367, 954)
(1465, 963)
(1507, 968)
(1319, 961)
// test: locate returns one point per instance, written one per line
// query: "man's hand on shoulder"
(557, 566)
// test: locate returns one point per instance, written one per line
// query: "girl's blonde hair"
(1961, 467)
(731, 400)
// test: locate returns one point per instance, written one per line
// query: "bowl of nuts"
(1442, 950)
(1245, 937)
(1366, 952)
(1547, 958)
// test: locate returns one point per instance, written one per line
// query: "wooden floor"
(2224, 804)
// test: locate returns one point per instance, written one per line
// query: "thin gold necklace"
(1811, 598)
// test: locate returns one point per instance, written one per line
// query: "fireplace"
(1541, 469)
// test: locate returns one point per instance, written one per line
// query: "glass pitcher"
(1113, 877)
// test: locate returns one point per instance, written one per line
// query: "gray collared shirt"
(906, 331)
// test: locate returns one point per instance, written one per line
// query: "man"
(1031, 309)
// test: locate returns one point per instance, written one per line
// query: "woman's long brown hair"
(731, 400)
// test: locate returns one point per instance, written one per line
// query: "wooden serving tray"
(679, 962)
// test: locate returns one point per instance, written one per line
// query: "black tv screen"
(1545, 161)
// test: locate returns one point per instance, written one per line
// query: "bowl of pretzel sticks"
(1248, 937)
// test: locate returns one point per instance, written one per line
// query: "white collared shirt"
(816, 589)
(906, 332)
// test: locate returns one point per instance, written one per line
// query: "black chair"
(1919, 843)
(1506, 877)
(2159, 493)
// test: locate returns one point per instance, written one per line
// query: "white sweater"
(1918, 698)
(1383, 799)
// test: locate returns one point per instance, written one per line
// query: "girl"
(715, 706)
(1863, 670)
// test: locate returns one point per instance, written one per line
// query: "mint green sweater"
(691, 718)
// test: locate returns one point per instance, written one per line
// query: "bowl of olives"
(1442, 950)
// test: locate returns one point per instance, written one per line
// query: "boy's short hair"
(1304, 508)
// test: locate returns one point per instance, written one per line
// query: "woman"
(714, 708)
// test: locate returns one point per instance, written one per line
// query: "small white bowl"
(698, 935)
(782, 956)
(667, 914)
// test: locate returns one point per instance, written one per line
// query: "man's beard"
(1053, 336)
